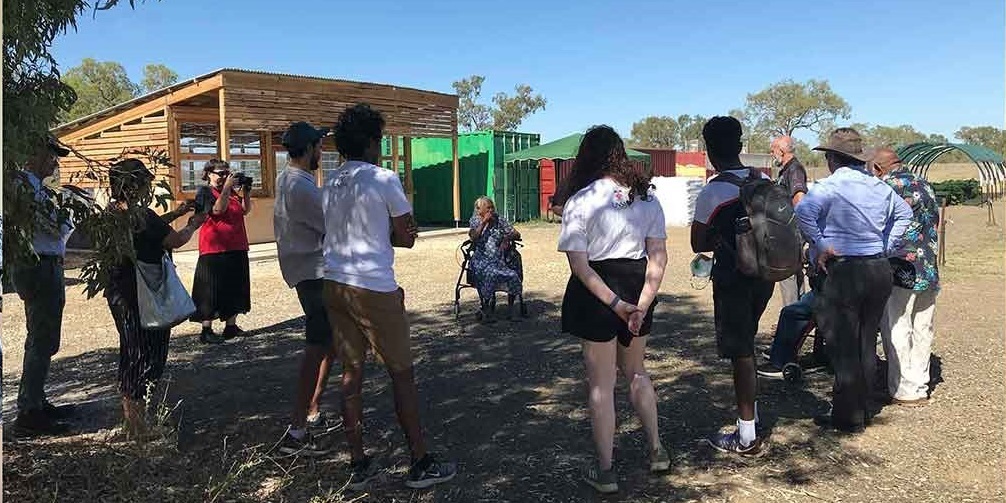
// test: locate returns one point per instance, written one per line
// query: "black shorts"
(317, 329)
(587, 317)
(738, 303)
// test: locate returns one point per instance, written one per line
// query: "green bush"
(957, 191)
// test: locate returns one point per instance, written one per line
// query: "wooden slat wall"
(148, 132)
(267, 102)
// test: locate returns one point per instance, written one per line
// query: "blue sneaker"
(731, 443)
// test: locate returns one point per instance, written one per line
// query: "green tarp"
(564, 148)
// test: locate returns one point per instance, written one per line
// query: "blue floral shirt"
(920, 244)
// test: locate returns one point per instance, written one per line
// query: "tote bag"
(163, 300)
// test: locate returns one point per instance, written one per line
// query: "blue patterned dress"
(920, 244)
(489, 270)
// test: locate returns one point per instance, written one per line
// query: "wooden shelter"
(240, 116)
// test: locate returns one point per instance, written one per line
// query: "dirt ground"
(507, 401)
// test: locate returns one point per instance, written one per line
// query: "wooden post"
(174, 153)
(224, 149)
(268, 160)
(410, 190)
(456, 171)
(394, 152)
(943, 235)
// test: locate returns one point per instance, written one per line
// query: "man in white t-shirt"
(366, 215)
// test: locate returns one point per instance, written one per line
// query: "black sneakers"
(59, 412)
(208, 336)
(428, 472)
(232, 331)
(603, 481)
(364, 472)
(38, 423)
(323, 424)
(305, 446)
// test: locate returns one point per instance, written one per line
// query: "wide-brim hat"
(847, 142)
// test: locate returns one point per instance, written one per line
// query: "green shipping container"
(513, 187)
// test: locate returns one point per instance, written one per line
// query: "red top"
(224, 232)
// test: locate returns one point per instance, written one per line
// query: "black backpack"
(768, 244)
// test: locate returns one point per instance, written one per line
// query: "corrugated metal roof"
(174, 87)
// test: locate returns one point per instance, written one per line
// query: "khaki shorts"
(364, 318)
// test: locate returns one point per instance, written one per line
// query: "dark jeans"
(42, 289)
(795, 321)
(849, 308)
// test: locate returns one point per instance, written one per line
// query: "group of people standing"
(221, 289)
(336, 250)
(868, 214)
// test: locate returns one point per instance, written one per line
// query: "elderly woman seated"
(492, 267)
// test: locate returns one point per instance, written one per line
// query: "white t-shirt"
(360, 201)
(716, 195)
(598, 220)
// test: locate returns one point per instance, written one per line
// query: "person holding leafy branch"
(143, 352)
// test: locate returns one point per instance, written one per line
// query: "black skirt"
(222, 286)
(588, 317)
(142, 352)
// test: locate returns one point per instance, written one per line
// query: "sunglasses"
(221, 172)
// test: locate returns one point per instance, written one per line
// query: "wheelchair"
(513, 259)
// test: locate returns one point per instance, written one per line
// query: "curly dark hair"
(129, 180)
(356, 128)
(213, 165)
(602, 153)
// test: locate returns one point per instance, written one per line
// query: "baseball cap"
(301, 135)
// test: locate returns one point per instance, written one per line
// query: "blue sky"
(935, 64)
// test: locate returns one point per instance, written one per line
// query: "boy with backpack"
(748, 222)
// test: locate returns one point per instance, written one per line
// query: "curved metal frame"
(919, 157)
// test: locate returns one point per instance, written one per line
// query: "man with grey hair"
(792, 177)
(853, 221)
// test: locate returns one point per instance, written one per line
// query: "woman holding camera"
(221, 289)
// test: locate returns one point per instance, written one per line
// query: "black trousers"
(42, 289)
(849, 309)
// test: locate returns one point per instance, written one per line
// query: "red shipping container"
(691, 158)
(546, 183)
(663, 161)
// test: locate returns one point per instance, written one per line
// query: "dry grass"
(507, 402)
(937, 173)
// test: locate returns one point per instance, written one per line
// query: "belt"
(54, 258)
(856, 258)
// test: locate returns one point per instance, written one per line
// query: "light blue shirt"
(854, 213)
(49, 238)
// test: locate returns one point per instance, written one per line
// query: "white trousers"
(907, 333)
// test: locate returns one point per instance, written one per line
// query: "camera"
(244, 181)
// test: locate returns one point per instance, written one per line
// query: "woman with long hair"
(142, 352)
(221, 287)
(614, 238)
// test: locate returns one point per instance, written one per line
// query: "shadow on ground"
(505, 400)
